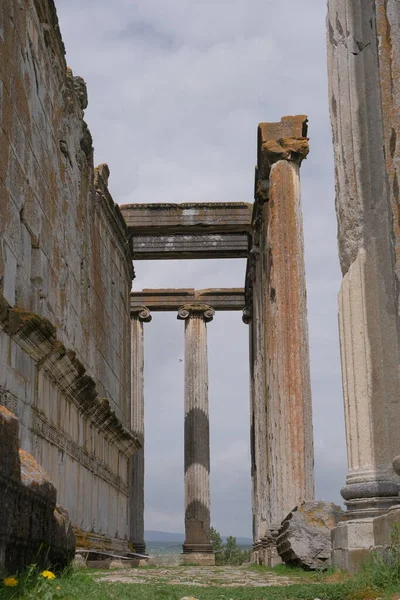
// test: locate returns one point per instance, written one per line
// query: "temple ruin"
(269, 233)
(72, 331)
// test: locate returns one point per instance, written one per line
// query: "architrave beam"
(162, 300)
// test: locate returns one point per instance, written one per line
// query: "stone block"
(10, 275)
(304, 538)
(32, 528)
(352, 542)
(201, 559)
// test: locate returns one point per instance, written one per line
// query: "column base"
(139, 547)
(201, 559)
(364, 508)
(197, 548)
(352, 543)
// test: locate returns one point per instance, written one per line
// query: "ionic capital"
(247, 315)
(141, 313)
(201, 311)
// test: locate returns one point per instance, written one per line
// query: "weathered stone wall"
(32, 528)
(64, 259)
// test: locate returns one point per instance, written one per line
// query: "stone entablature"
(196, 246)
(200, 230)
(188, 218)
(221, 299)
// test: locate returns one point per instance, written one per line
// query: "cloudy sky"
(176, 90)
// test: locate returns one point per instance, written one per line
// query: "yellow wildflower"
(48, 575)
(10, 582)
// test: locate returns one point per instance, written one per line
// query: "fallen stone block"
(304, 538)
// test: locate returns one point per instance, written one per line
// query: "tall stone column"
(139, 315)
(253, 315)
(197, 548)
(364, 115)
(290, 451)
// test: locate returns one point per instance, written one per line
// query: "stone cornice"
(196, 310)
(38, 338)
(141, 313)
(113, 215)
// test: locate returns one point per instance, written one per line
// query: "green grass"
(375, 580)
(81, 586)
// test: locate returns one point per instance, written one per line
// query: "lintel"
(162, 300)
(187, 218)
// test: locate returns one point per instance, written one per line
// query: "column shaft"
(286, 344)
(365, 121)
(138, 317)
(197, 437)
(285, 470)
(258, 415)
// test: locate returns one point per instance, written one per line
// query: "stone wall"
(65, 277)
(33, 529)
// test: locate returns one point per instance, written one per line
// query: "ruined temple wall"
(63, 251)
(65, 276)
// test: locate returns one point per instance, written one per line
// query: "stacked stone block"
(33, 529)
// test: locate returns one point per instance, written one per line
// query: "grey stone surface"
(363, 48)
(304, 538)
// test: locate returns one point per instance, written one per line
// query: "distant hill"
(163, 536)
(179, 538)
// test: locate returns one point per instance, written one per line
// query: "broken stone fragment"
(304, 538)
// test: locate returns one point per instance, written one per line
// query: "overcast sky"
(176, 91)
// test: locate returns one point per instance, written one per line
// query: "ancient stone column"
(253, 315)
(139, 315)
(290, 450)
(363, 52)
(197, 546)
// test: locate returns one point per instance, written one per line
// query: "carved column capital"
(286, 140)
(272, 151)
(247, 315)
(141, 313)
(196, 310)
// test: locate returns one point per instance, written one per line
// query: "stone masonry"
(32, 528)
(65, 278)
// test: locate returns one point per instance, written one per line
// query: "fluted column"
(290, 464)
(197, 436)
(253, 315)
(139, 315)
(363, 43)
